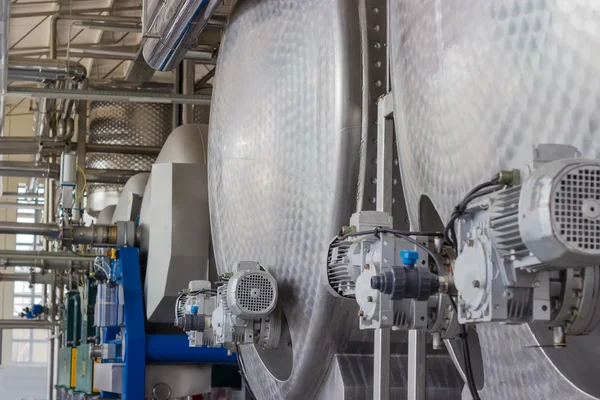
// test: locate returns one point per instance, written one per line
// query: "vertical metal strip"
(417, 359)
(376, 75)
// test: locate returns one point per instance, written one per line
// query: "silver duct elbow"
(178, 24)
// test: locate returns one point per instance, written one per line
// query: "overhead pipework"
(176, 25)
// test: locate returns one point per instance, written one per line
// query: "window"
(29, 345)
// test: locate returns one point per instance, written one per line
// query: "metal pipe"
(15, 195)
(45, 217)
(205, 57)
(50, 371)
(116, 54)
(33, 278)
(41, 257)
(111, 26)
(47, 264)
(189, 77)
(22, 206)
(32, 145)
(86, 10)
(4, 44)
(57, 340)
(34, 70)
(95, 235)
(81, 149)
(177, 31)
(109, 175)
(122, 149)
(17, 228)
(26, 324)
(105, 95)
(28, 169)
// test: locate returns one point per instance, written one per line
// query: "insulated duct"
(178, 24)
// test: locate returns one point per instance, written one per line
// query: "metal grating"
(576, 188)
(337, 269)
(255, 293)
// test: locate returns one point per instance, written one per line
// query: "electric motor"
(242, 310)
(528, 252)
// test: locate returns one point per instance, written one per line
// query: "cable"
(459, 210)
(80, 195)
(450, 237)
(466, 357)
(371, 232)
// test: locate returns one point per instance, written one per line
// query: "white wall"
(22, 383)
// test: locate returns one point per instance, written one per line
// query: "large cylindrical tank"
(291, 126)
(476, 85)
(133, 124)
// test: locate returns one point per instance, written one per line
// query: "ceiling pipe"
(110, 26)
(33, 278)
(28, 169)
(122, 149)
(26, 324)
(48, 73)
(15, 195)
(20, 228)
(44, 259)
(184, 21)
(30, 14)
(34, 145)
(31, 70)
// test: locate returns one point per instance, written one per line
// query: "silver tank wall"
(477, 84)
(287, 161)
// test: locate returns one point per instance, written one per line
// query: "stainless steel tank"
(477, 84)
(134, 124)
(287, 158)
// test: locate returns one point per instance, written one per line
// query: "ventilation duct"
(177, 24)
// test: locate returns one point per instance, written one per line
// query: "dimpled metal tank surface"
(477, 84)
(284, 151)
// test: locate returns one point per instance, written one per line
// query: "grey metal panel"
(180, 235)
(185, 145)
(476, 85)
(284, 149)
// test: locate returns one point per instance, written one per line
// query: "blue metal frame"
(134, 362)
(139, 348)
(176, 348)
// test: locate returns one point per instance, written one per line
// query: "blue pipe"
(175, 349)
